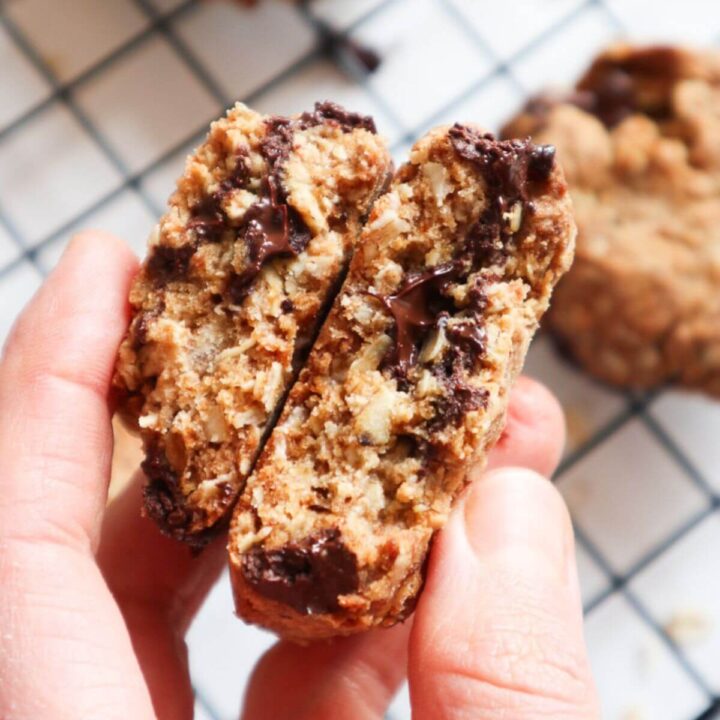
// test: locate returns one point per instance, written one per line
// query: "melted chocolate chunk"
(503, 163)
(269, 229)
(208, 220)
(309, 576)
(415, 308)
(421, 303)
(170, 264)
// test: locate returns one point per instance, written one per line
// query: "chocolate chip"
(333, 114)
(540, 163)
(208, 219)
(287, 305)
(277, 143)
(612, 89)
(458, 399)
(169, 264)
(469, 335)
(309, 575)
(165, 503)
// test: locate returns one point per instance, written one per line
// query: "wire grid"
(163, 24)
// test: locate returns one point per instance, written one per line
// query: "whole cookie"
(640, 144)
(406, 387)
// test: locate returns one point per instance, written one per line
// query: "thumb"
(498, 631)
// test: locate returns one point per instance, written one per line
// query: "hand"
(94, 603)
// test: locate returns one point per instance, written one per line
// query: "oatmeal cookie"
(238, 274)
(405, 389)
(640, 144)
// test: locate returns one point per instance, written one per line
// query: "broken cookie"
(238, 275)
(405, 389)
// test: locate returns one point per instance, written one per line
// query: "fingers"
(65, 650)
(144, 568)
(352, 678)
(158, 585)
(534, 436)
(498, 629)
(55, 437)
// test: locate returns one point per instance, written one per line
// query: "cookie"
(405, 389)
(640, 143)
(238, 276)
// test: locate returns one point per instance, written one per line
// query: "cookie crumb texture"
(238, 273)
(640, 144)
(405, 388)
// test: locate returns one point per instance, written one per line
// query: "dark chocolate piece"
(170, 264)
(277, 143)
(459, 399)
(540, 163)
(164, 501)
(331, 113)
(616, 85)
(208, 217)
(309, 576)
(610, 88)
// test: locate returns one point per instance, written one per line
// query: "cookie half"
(405, 389)
(237, 278)
(640, 143)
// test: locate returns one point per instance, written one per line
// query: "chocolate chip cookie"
(405, 388)
(238, 275)
(640, 143)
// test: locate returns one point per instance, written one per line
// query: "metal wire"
(163, 25)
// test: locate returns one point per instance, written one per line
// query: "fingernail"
(516, 516)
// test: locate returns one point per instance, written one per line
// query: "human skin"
(95, 603)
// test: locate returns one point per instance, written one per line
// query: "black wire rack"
(333, 42)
